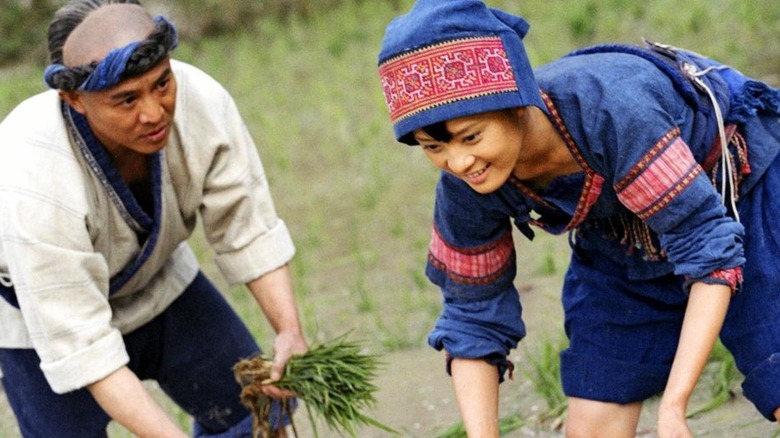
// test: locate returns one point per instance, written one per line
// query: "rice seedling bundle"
(333, 379)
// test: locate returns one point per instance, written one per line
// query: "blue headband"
(109, 71)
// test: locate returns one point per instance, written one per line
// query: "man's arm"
(274, 293)
(125, 399)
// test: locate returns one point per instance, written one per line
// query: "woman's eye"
(471, 138)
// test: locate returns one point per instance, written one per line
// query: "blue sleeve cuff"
(485, 329)
(503, 364)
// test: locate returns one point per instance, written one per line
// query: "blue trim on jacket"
(122, 197)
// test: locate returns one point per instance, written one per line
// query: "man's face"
(135, 115)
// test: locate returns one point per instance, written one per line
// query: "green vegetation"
(506, 425)
(357, 203)
(334, 380)
(23, 29)
(545, 375)
(23, 23)
(721, 377)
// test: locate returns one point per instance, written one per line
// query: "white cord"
(727, 163)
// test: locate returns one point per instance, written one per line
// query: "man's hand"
(274, 293)
(285, 346)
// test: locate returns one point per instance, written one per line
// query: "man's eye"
(430, 147)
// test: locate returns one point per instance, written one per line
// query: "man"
(101, 183)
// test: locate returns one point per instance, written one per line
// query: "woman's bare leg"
(595, 419)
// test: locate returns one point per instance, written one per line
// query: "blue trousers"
(624, 333)
(189, 350)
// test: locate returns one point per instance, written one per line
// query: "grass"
(721, 377)
(546, 379)
(334, 380)
(506, 424)
(719, 381)
(357, 203)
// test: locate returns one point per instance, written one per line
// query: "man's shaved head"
(95, 44)
(70, 16)
(109, 27)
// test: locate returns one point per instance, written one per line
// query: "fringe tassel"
(632, 233)
(738, 148)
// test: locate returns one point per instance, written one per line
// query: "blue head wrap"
(113, 68)
(454, 58)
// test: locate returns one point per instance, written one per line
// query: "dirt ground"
(415, 396)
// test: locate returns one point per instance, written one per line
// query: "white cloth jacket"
(65, 233)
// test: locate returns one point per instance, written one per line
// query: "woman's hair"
(438, 131)
(68, 18)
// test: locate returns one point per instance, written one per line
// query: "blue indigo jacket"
(648, 197)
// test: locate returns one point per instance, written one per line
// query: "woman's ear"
(73, 98)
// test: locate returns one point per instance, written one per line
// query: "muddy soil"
(415, 396)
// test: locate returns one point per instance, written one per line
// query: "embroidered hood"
(448, 59)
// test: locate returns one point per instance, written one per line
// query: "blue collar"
(120, 194)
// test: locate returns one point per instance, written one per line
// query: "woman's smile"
(477, 177)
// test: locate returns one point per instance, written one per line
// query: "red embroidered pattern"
(733, 276)
(591, 189)
(714, 154)
(662, 174)
(479, 265)
(444, 73)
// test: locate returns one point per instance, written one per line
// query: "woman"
(658, 162)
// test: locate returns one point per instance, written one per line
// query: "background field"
(358, 204)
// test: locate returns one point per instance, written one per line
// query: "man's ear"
(73, 98)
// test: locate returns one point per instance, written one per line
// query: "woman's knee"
(591, 419)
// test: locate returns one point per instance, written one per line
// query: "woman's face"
(483, 151)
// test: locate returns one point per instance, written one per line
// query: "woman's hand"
(704, 315)
(671, 422)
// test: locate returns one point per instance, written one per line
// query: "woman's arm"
(706, 310)
(125, 399)
(476, 388)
